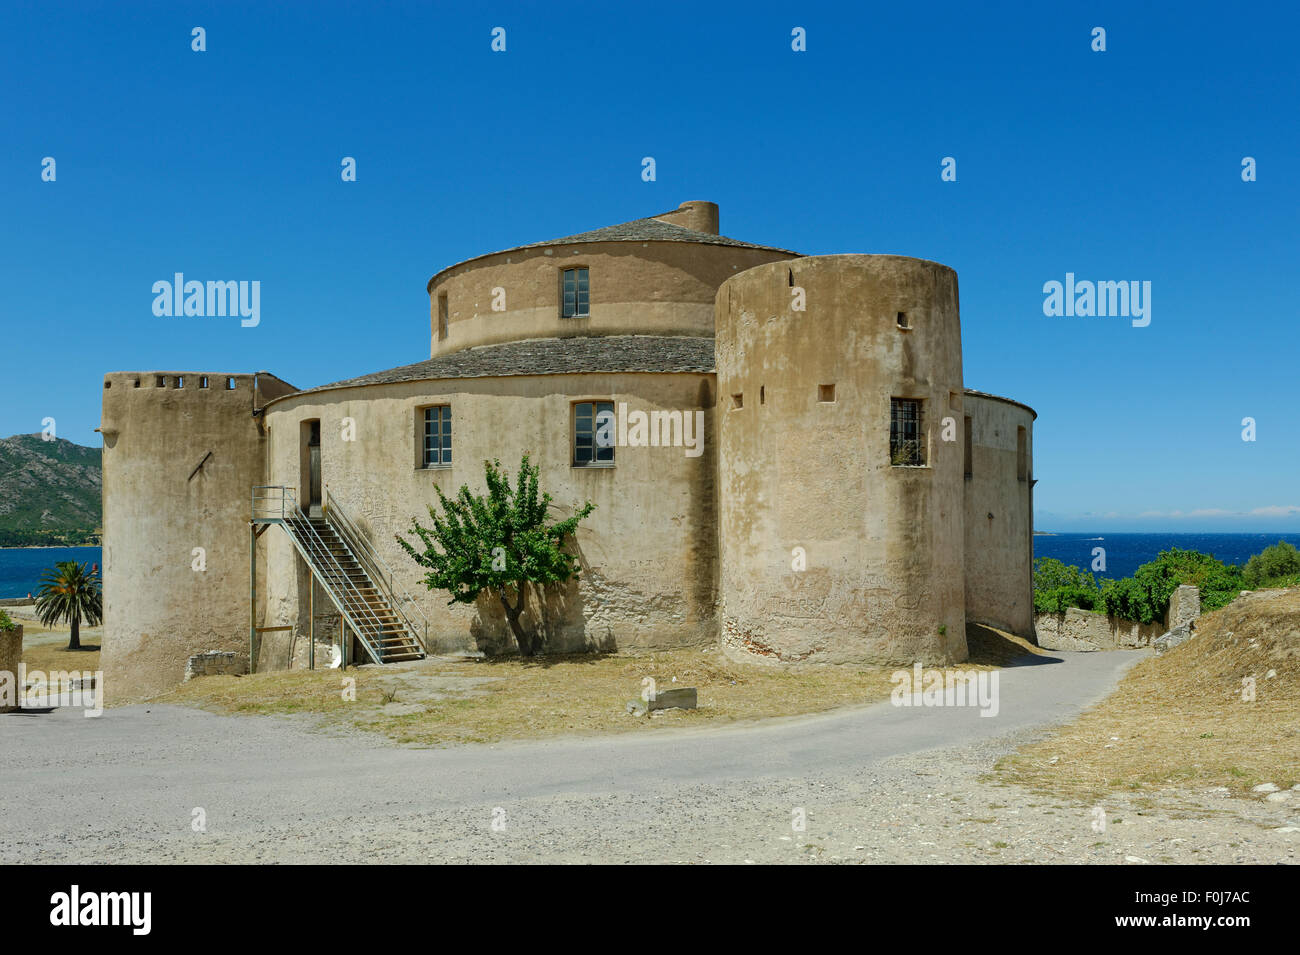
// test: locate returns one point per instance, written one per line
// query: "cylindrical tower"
(840, 461)
(655, 276)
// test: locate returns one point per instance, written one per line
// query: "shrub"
(6, 624)
(1144, 597)
(1058, 586)
(1272, 567)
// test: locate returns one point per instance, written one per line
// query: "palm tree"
(70, 592)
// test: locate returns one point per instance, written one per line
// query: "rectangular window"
(969, 453)
(576, 301)
(1022, 454)
(906, 440)
(593, 434)
(442, 316)
(437, 437)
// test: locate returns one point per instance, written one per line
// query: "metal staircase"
(356, 581)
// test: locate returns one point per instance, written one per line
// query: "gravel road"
(868, 784)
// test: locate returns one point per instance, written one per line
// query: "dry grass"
(509, 698)
(440, 701)
(1179, 720)
(45, 648)
(51, 658)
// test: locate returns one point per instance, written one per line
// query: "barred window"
(437, 437)
(906, 440)
(593, 437)
(576, 301)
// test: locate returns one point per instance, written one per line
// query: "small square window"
(826, 393)
(737, 402)
(902, 320)
(160, 382)
(180, 381)
(230, 384)
(107, 384)
(203, 381)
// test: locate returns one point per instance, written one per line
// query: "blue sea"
(21, 567)
(1126, 552)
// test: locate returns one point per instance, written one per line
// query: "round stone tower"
(840, 461)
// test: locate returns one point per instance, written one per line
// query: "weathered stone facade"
(682, 549)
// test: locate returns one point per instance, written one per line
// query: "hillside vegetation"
(1221, 709)
(1144, 597)
(49, 491)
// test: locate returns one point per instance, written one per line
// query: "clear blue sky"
(1117, 165)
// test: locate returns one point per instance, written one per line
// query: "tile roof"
(650, 230)
(552, 356)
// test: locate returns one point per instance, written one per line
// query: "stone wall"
(181, 452)
(1085, 630)
(999, 510)
(648, 550)
(215, 663)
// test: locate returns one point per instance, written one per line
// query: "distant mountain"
(49, 491)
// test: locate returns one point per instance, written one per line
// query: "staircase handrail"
(377, 568)
(349, 603)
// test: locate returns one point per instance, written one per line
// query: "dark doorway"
(312, 468)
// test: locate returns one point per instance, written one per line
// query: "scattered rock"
(1266, 788)
(1180, 634)
(1278, 797)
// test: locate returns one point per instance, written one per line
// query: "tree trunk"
(513, 615)
(74, 642)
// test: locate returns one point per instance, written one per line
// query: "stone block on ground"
(683, 698)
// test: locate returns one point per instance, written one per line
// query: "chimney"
(694, 214)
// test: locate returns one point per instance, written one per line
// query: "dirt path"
(870, 783)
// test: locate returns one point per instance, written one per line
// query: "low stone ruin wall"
(215, 663)
(1085, 630)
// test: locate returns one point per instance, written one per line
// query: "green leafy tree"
(70, 592)
(1274, 566)
(500, 542)
(6, 624)
(1144, 597)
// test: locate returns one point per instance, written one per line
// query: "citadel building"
(799, 472)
